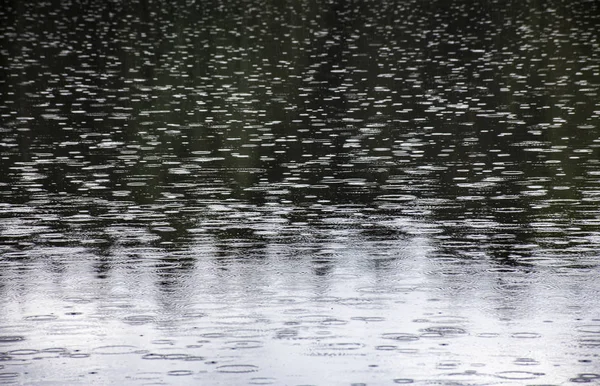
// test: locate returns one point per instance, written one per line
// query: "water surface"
(300, 192)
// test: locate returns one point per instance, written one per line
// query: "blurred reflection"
(167, 163)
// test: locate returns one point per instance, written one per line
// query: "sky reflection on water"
(341, 192)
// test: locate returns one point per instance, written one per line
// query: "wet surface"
(329, 193)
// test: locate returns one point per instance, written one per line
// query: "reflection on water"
(299, 192)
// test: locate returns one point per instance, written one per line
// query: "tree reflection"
(257, 124)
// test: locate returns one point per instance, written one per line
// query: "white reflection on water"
(299, 313)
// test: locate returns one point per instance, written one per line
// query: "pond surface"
(349, 192)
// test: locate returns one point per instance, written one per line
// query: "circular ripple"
(70, 328)
(23, 352)
(488, 335)
(213, 335)
(314, 318)
(326, 299)
(261, 381)
(245, 333)
(589, 329)
(40, 318)
(403, 381)
(163, 341)
(369, 318)
(386, 347)
(447, 319)
(153, 356)
(589, 342)
(526, 362)
(138, 319)
(296, 311)
(243, 344)
(194, 358)
(176, 357)
(364, 303)
(285, 300)
(79, 355)
(334, 322)
(237, 369)
(526, 335)
(344, 346)
(115, 350)
(384, 290)
(518, 375)
(11, 338)
(589, 376)
(444, 365)
(400, 336)
(179, 373)
(77, 300)
(445, 330)
(57, 350)
(194, 315)
(237, 320)
(8, 375)
(408, 350)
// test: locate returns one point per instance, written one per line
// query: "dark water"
(300, 192)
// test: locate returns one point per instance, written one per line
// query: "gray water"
(342, 192)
